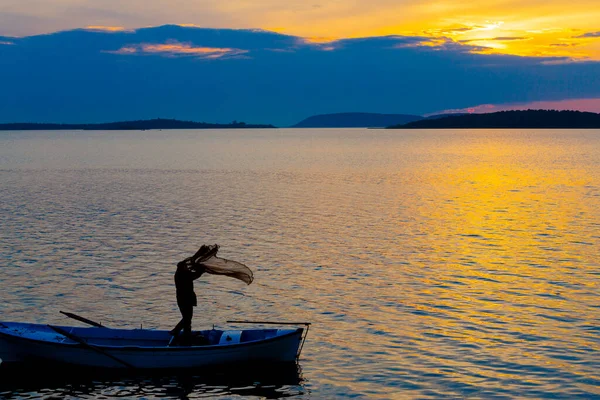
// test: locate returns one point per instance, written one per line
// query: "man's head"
(184, 264)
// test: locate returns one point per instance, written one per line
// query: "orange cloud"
(125, 50)
(99, 28)
(174, 49)
(321, 43)
(319, 40)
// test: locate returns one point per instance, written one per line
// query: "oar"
(89, 346)
(84, 320)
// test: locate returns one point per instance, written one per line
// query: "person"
(187, 272)
(204, 261)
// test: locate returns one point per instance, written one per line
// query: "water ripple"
(431, 264)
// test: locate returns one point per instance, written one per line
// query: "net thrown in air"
(206, 256)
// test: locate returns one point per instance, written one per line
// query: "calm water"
(432, 264)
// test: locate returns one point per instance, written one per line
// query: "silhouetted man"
(190, 269)
(187, 272)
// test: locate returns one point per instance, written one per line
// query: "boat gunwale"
(72, 345)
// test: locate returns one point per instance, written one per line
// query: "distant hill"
(355, 120)
(436, 116)
(526, 119)
(157, 123)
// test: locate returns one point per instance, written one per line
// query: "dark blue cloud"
(263, 77)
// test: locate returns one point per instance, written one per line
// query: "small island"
(157, 123)
(526, 119)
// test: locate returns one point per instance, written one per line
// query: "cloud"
(565, 60)
(452, 31)
(176, 49)
(98, 28)
(462, 29)
(392, 42)
(7, 43)
(378, 43)
(508, 38)
(497, 39)
(321, 43)
(153, 72)
(588, 35)
(319, 40)
(341, 19)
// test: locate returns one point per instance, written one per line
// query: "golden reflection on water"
(509, 236)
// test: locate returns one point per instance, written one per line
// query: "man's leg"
(175, 331)
(187, 313)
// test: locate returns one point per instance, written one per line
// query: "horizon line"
(235, 122)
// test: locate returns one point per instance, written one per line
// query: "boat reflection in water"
(270, 381)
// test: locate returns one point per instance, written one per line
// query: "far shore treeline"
(523, 119)
(158, 123)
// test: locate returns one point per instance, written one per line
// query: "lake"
(431, 264)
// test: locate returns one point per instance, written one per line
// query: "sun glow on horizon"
(515, 29)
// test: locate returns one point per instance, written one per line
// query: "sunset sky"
(548, 32)
(537, 27)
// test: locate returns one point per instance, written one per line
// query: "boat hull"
(8, 353)
(50, 346)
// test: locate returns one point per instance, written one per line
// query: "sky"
(534, 27)
(395, 56)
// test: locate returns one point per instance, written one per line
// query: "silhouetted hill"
(526, 119)
(355, 120)
(157, 123)
(437, 116)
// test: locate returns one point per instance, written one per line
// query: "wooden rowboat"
(144, 349)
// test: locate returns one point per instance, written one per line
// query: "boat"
(147, 349)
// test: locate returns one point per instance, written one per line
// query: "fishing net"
(206, 257)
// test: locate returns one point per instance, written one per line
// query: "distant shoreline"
(141, 125)
(526, 119)
(519, 119)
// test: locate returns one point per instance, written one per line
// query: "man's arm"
(205, 252)
(197, 270)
